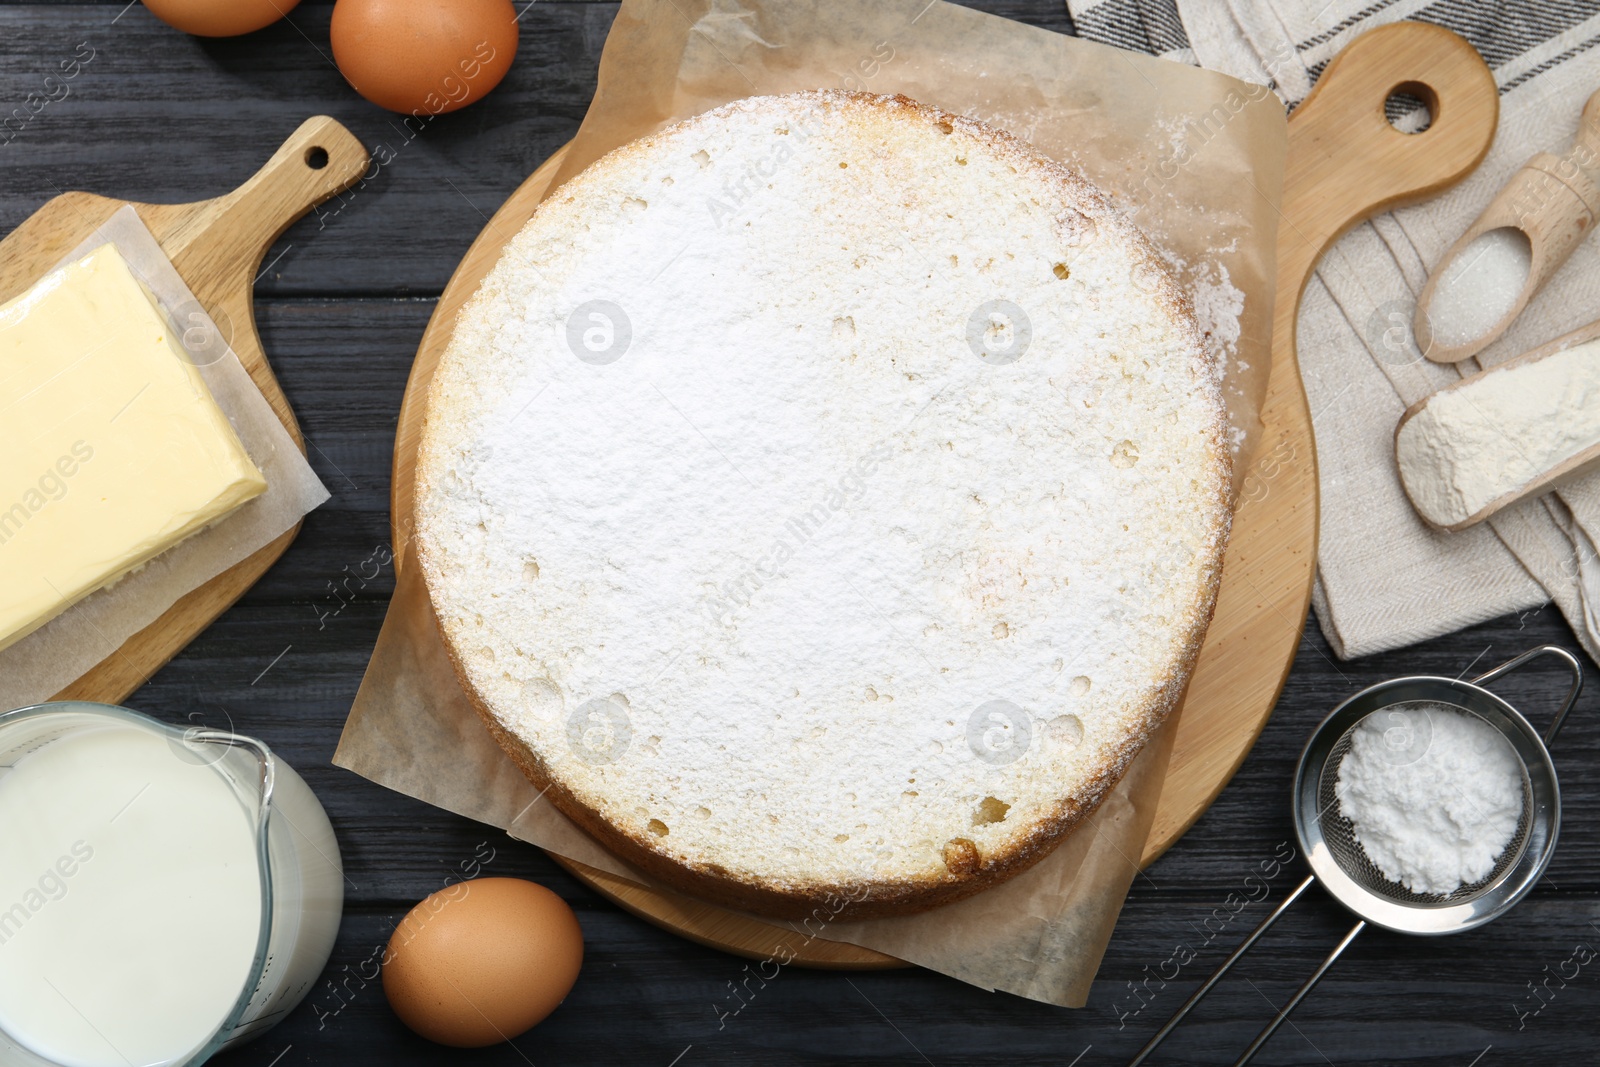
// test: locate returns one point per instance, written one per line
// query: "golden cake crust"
(964, 871)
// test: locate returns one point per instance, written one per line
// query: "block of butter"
(114, 448)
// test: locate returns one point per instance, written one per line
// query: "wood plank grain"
(413, 213)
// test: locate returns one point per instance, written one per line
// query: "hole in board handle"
(1411, 107)
(316, 157)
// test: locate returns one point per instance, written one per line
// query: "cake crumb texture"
(825, 495)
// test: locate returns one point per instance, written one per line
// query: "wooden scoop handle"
(1586, 143)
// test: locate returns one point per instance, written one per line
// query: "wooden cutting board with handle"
(1346, 163)
(216, 246)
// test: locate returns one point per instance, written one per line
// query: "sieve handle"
(1300, 994)
(1216, 975)
(1533, 653)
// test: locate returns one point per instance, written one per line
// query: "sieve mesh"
(1340, 835)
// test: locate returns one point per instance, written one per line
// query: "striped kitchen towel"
(1385, 580)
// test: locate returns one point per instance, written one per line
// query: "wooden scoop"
(1516, 442)
(1552, 201)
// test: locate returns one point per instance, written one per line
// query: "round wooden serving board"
(216, 246)
(1345, 164)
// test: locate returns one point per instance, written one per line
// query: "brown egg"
(219, 18)
(482, 961)
(423, 57)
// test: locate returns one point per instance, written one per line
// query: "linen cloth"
(1384, 580)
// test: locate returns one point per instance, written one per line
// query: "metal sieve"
(1328, 841)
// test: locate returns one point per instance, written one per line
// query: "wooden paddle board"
(1345, 164)
(216, 246)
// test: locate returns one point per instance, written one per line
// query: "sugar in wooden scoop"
(1480, 286)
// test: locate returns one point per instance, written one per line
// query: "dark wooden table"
(159, 116)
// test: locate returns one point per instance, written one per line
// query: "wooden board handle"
(1586, 143)
(1347, 163)
(217, 245)
(319, 160)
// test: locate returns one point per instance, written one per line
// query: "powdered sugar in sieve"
(1434, 798)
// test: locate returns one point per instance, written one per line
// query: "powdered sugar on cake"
(771, 560)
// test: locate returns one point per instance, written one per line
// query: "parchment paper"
(56, 654)
(1196, 157)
